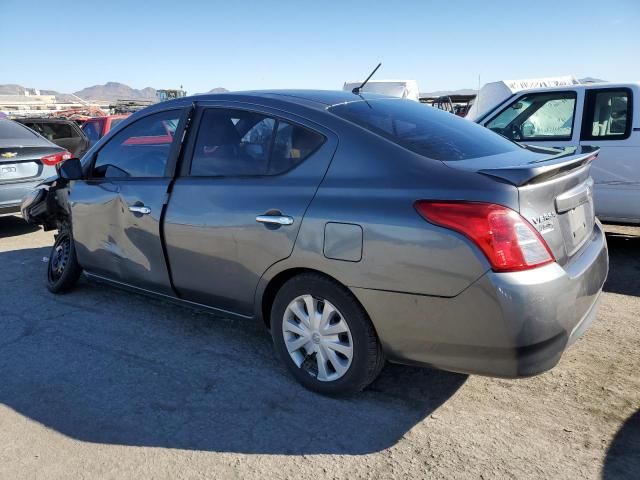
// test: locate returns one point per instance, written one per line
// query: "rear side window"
(240, 143)
(139, 150)
(424, 130)
(607, 114)
(538, 116)
(12, 130)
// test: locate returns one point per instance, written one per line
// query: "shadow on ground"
(623, 456)
(624, 258)
(104, 365)
(13, 226)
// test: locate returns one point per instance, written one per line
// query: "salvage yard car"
(98, 127)
(64, 133)
(600, 114)
(359, 228)
(26, 158)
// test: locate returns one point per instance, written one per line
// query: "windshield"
(425, 130)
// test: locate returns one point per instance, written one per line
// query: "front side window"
(426, 131)
(607, 115)
(140, 150)
(241, 143)
(539, 116)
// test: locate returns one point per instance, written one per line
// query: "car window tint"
(36, 127)
(52, 131)
(92, 130)
(116, 121)
(236, 142)
(424, 130)
(606, 115)
(539, 116)
(292, 145)
(232, 142)
(12, 130)
(140, 149)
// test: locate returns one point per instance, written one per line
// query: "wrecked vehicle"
(26, 158)
(64, 133)
(97, 127)
(359, 228)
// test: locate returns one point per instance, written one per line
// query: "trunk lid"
(555, 192)
(22, 163)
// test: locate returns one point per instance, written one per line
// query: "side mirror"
(71, 169)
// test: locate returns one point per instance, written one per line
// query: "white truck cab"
(599, 114)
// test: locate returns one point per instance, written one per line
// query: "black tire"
(63, 269)
(368, 358)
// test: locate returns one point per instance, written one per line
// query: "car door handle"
(140, 209)
(275, 219)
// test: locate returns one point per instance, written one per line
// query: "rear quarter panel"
(374, 184)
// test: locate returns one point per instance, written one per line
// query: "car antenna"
(356, 90)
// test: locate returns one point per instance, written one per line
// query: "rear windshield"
(425, 130)
(52, 131)
(12, 130)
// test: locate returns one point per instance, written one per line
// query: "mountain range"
(110, 91)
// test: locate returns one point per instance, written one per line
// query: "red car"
(96, 128)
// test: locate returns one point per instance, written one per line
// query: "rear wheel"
(63, 270)
(324, 336)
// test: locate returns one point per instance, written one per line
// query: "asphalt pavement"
(104, 383)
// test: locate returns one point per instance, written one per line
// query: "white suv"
(591, 114)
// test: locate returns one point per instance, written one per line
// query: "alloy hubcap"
(317, 338)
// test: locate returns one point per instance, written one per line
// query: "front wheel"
(63, 270)
(324, 336)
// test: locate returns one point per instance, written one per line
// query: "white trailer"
(393, 88)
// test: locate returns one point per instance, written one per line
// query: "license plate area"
(577, 223)
(18, 171)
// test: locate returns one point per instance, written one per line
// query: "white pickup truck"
(599, 114)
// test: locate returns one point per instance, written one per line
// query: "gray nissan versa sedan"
(359, 228)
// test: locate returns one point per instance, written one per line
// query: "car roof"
(118, 115)
(321, 99)
(581, 86)
(43, 119)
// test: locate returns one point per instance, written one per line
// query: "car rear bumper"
(11, 195)
(9, 209)
(505, 324)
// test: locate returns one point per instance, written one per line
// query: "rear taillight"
(56, 158)
(509, 242)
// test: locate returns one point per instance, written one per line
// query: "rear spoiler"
(568, 159)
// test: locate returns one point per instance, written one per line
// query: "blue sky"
(246, 44)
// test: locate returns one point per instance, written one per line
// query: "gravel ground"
(102, 383)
